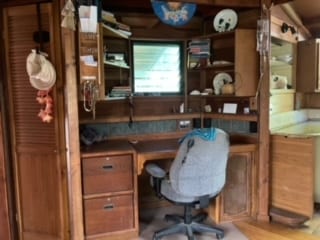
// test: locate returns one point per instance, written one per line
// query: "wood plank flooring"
(271, 231)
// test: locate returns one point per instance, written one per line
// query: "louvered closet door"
(37, 164)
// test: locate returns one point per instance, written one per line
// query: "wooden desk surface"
(154, 150)
(110, 147)
(160, 149)
(158, 146)
(149, 149)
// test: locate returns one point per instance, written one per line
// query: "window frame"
(182, 67)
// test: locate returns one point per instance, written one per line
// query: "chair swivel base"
(187, 228)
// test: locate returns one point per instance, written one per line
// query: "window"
(157, 68)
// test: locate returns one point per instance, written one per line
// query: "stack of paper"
(88, 18)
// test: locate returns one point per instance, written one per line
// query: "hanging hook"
(40, 36)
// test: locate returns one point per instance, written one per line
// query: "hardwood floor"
(271, 231)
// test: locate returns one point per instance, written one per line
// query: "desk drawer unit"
(107, 174)
(108, 214)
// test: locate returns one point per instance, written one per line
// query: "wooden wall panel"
(311, 100)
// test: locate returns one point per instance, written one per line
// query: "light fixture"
(285, 27)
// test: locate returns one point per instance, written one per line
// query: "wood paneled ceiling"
(309, 13)
(205, 8)
(307, 10)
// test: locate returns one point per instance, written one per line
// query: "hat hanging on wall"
(173, 13)
(42, 74)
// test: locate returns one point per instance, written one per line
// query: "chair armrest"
(157, 175)
(155, 171)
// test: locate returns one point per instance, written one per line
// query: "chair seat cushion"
(170, 194)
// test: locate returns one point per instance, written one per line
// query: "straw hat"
(42, 74)
(173, 13)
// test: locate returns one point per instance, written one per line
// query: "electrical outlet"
(253, 103)
(184, 124)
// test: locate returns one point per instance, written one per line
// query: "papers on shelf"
(88, 18)
(88, 60)
(230, 108)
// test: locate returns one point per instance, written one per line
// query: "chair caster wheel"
(220, 236)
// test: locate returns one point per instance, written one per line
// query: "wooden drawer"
(107, 174)
(108, 214)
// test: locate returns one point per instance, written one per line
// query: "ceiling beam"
(276, 2)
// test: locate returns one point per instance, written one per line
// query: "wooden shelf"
(238, 117)
(216, 35)
(212, 67)
(282, 91)
(277, 63)
(117, 119)
(177, 116)
(213, 96)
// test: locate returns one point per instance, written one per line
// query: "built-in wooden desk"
(238, 199)
(110, 174)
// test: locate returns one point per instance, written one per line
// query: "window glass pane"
(157, 67)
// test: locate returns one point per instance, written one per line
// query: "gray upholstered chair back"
(199, 168)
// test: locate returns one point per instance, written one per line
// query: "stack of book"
(116, 59)
(110, 20)
(120, 92)
(199, 50)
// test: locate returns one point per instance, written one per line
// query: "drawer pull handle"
(107, 167)
(108, 207)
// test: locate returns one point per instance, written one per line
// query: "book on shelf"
(123, 26)
(110, 20)
(105, 13)
(111, 56)
(115, 27)
(120, 91)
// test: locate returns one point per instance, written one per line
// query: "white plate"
(225, 20)
(219, 80)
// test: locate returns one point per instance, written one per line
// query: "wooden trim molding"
(4, 205)
(72, 135)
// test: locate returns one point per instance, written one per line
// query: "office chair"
(196, 175)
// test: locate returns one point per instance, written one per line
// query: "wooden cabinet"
(292, 174)
(283, 75)
(237, 200)
(232, 53)
(283, 64)
(37, 152)
(90, 58)
(109, 198)
(116, 58)
(100, 66)
(308, 75)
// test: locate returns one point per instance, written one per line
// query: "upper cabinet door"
(308, 77)
(282, 64)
